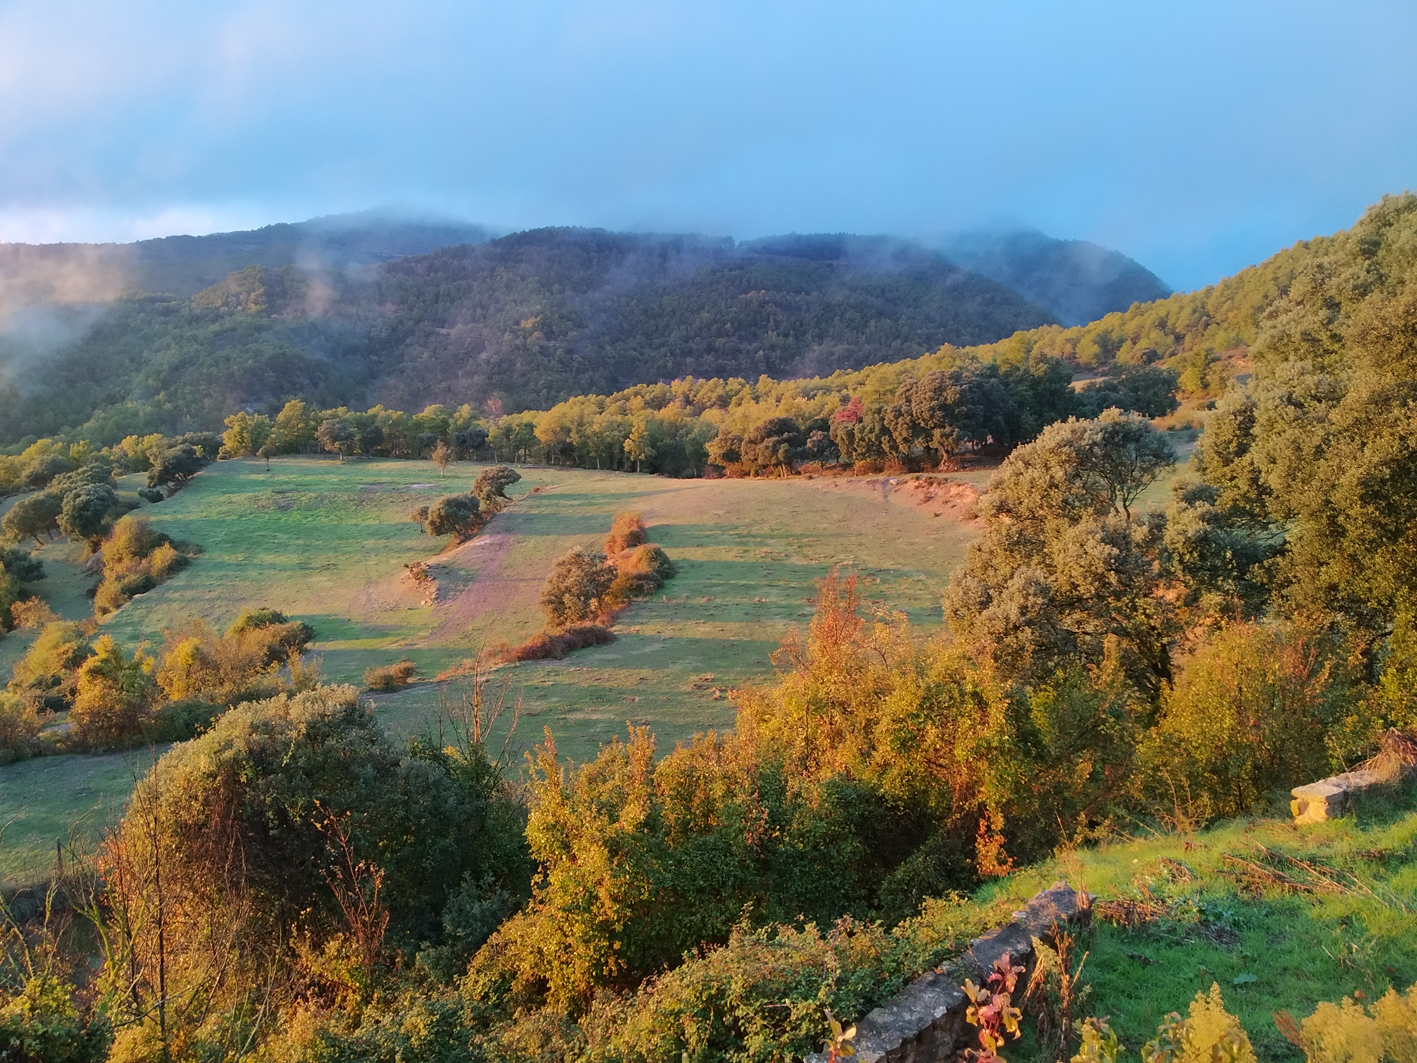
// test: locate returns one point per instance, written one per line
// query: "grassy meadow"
(1280, 916)
(326, 542)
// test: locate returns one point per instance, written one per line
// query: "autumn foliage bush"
(553, 646)
(627, 530)
(136, 558)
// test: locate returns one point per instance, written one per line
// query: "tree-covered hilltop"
(529, 320)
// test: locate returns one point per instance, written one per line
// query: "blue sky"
(1197, 137)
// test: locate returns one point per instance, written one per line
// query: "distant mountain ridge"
(528, 319)
(359, 309)
(1075, 280)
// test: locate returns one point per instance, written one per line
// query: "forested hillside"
(528, 320)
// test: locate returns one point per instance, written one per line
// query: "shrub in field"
(390, 676)
(639, 573)
(241, 665)
(31, 614)
(491, 485)
(17, 569)
(151, 495)
(287, 838)
(456, 515)
(577, 589)
(115, 697)
(553, 646)
(279, 636)
(19, 728)
(626, 530)
(47, 675)
(136, 558)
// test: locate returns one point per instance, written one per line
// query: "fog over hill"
(174, 333)
(1076, 280)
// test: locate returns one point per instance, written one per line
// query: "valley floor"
(327, 542)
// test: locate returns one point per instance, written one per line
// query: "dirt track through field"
(487, 589)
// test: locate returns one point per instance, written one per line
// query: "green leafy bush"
(1250, 712)
(577, 590)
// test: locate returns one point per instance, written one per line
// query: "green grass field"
(1342, 920)
(327, 542)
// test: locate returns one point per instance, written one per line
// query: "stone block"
(921, 1024)
(1316, 802)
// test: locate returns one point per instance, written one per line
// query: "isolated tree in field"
(455, 515)
(85, 513)
(576, 590)
(29, 518)
(268, 450)
(419, 515)
(491, 485)
(441, 457)
(335, 435)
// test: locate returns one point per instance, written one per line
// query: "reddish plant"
(991, 1010)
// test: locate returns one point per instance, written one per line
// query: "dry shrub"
(549, 646)
(869, 467)
(390, 677)
(649, 558)
(626, 532)
(640, 572)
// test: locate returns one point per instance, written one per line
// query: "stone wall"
(924, 1023)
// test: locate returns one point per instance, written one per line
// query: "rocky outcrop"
(925, 1023)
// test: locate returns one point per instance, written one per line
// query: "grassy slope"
(326, 542)
(1301, 947)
